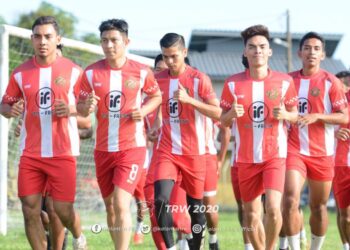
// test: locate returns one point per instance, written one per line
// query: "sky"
(150, 20)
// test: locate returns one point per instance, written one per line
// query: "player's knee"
(121, 208)
(161, 202)
(251, 217)
(30, 213)
(290, 204)
(65, 213)
(318, 209)
(273, 212)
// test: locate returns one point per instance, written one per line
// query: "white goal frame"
(5, 32)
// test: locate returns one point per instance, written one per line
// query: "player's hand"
(182, 95)
(18, 128)
(280, 112)
(343, 134)
(92, 101)
(61, 108)
(17, 108)
(152, 134)
(137, 114)
(237, 110)
(307, 119)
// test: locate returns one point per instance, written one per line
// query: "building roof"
(220, 65)
(201, 38)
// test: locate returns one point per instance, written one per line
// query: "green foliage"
(91, 38)
(2, 20)
(66, 20)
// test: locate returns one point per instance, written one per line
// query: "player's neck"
(259, 73)
(47, 60)
(309, 71)
(117, 62)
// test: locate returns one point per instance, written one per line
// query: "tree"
(2, 20)
(66, 20)
(91, 38)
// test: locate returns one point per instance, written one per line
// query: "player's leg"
(62, 182)
(141, 208)
(273, 221)
(193, 175)
(31, 183)
(162, 192)
(294, 181)
(320, 176)
(240, 212)
(57, 231)
(209, 200)
(127, 173)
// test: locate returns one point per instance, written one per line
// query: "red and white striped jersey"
(120, 91)
(259, 136)
(183, 127)
(43, 134)
(319, 93)
(210, 135)
(342, 153)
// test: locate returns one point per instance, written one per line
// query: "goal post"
(15, 48)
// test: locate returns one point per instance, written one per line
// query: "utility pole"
(289, 42)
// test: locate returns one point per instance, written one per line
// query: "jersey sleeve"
(77, 84)
(337, 96)
(206, 90)
(151, 86)
(84, 86)
(226, 97)
(13, 93)
(291, 97)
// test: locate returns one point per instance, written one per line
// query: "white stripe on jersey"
(23, 134)
(233, 152)
(139, 135)
(234, 130)
(329, 128)
(115, 84)
(210, 136)
(45, 119)
(175, 126)
(304, 131)
(258, 133)
(282, 136)
(199, 120)
(89, 75)
(72, 120)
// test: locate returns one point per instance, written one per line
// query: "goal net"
(15, 48)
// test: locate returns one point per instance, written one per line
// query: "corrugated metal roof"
(221, 65)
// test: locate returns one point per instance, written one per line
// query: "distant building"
(218, 53)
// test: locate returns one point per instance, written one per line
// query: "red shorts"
(235, 183)
(122, 169)
(254, 178)
(341, 186)
(210, 182)
(139, 193)
(191, 167)
(57, 172)
(315, 168)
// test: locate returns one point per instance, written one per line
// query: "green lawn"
(229, 235)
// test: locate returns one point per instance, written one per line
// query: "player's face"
(45, 40)
(114, 44)
(311, 53)
(257, 51)
(160, 66)
(174, 58)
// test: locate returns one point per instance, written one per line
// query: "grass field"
(229, 235)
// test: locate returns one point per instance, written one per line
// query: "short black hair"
(310, 35)
(187, 61)
(42, 20)
(256, 30)
(60, 47)
(114, 24)
(245, 62)
(172, 39)
(343, 73)
(158, 58)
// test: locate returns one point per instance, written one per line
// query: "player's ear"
(126, 41)
(185, 52)
(270, 52)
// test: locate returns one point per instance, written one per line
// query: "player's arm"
(86, 106)
(154, 100)
(14, 110)
(289, 114)
(209, 108)
(225, 135)
(339, 117)
(153, 132)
